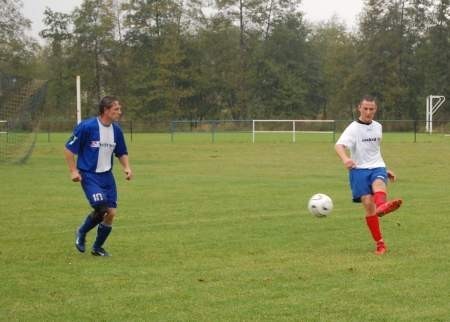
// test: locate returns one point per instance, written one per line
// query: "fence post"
(172, 130)
(334, 131)
(213, 131)
(131, 130)
(415, 131)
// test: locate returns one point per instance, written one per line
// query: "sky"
(314, 10)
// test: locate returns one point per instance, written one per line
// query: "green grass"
(220, 232)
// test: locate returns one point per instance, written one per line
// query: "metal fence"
(17, 137)
(214, 130)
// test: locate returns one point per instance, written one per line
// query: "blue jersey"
(95, 144)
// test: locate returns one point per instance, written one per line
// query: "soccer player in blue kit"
(367, 171)
(94, 141)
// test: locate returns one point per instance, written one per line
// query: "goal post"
(3, 140)
(78, 84)
(434, 102)
(294, 127)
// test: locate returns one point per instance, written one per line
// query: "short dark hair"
(106, 102)
(368, 98)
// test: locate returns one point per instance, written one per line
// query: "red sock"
(379, 197)
(373, 222)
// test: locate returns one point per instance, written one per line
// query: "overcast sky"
(315, 10)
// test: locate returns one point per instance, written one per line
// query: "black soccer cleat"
(80, 241)
(100, 252)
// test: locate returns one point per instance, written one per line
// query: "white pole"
(253, 131)
(293, 131)
(430, 114)
(78, 99)
(427, 114)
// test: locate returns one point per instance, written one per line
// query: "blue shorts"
(361, 181)
(99, 188)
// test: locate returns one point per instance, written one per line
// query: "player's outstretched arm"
(124, 161)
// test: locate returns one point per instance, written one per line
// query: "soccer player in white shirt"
(367, 171)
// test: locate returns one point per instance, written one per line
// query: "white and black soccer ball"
(320, 205)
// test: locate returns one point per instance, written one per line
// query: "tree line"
(233, 59)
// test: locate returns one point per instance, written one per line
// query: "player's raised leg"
(388, 207)
(383, 206)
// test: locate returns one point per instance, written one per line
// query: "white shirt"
(106, 147)
(363, 141)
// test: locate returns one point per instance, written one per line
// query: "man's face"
(114, 112)
(367, 110)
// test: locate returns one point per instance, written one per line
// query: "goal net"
(21, 102)
(313, 129)
(3, 127)
(434, 102)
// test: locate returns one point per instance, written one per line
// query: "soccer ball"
(320, 205)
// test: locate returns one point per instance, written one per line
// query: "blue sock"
(87, 225)
(103, 232)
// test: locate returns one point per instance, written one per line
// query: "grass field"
(220, 232)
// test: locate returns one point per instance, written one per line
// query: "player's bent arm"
(124, 161)
(342, 153)
(70, 160)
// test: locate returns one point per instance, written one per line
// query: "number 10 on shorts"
(97, 197)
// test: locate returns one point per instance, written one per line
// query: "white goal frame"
(434, 102)
(293, 130)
